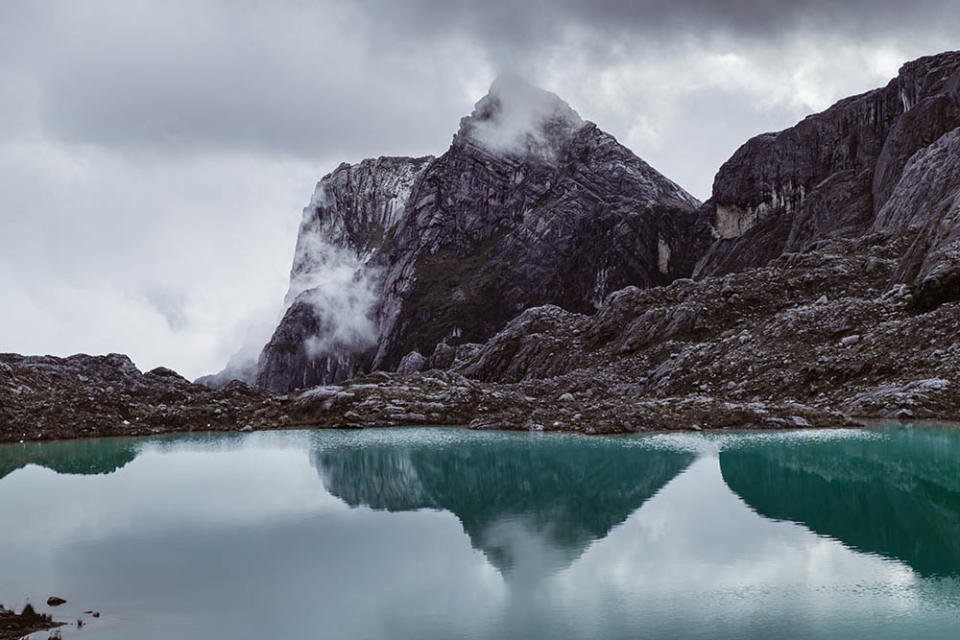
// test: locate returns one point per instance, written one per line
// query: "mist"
(518, 118)
(336, 281)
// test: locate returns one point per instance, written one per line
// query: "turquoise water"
(431, 533)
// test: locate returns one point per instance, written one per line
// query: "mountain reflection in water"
(531, 505)
(73, 457)
(896, 494)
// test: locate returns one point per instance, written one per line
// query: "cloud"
(344, 294)
(531, 24)
(168, 262)
(294, 79)
(516, 117)
(172, 305)
(324, 78)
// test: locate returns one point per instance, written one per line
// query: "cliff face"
(530, 205)
(557, 212)
(329, 329)
(834, 173)
(927, 200)
(821, 328)
(349, 215)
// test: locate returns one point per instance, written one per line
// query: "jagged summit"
(517, 118)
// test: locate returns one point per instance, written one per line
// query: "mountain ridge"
(831, 174)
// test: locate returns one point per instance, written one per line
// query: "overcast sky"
(155, 156)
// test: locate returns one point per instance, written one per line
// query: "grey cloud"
(705, 129)
(172, 305)
(745, 17)
(324, 78)
(292, 78)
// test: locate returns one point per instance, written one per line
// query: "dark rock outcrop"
(46, 398)
(822, 329)
(927, 200)
(329, 329)
(832, 175)
(14, 626)
(301, 353)
(530, 205)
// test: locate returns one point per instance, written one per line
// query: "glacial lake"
(443, 533)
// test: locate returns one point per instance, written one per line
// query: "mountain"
(884, 161)
(329, 330)
(530, 205)
(833, 280)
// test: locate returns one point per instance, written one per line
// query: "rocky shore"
(14, 626)
(601, 405)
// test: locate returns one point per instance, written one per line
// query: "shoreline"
(864, 423)
(45, 398)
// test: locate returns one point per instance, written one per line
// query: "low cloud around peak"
(519, 118)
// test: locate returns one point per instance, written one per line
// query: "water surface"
(432, 533)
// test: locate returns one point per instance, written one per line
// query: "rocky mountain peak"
(518, 119)
(530, 205)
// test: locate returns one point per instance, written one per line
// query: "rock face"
(530, 205)
(329, 330)
(840, 173)
(821, 329)
(927, 200)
